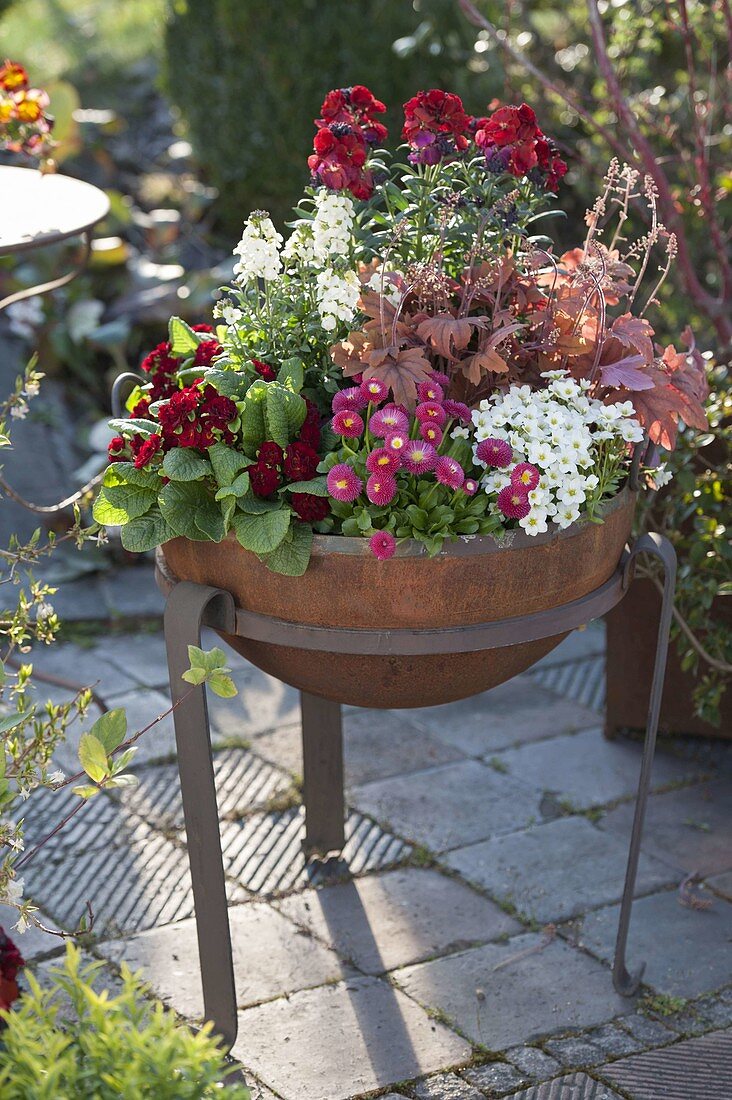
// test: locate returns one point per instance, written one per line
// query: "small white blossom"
(19, 411)
(258, 250)
(337, 297)
(13, 892)
(56, 777)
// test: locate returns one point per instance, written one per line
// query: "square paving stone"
(399, 917)
(588, 641)
(80, 666)
(376, 744)
(263, 703)
(722, 884)
(342, 1040)
(697, 1069)
(534, 1062)
(450, 806)
(580, 681)
(497, 1078)
(513, 713)
(446, 1086)
(651, 1033)
(132, 593)
(614, 1041)
(515, 992)
(686, 950)
(264, 851)
(575, 1052)
(556, 870)
(272, 958)
(140, 655)
(573, 1086)
(690, 828)
(588, 770)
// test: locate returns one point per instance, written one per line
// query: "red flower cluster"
(298, 462)
(24, 124)
(345, 131)
(513, 142)
(264, 370)
(11, 961)
(164, 366)
(435, 125)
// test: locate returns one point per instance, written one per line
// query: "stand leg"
(188, 606)
(626, 983)
(322, 750)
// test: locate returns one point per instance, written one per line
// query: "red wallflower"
(301, 462)
(513, 142)
(264, 370)
(550, 163)
(11, 961)
(309, 508)
(263, 479)
(354, 107)
(146, 450)
(339, 160)
(270, 453)
(435, 125)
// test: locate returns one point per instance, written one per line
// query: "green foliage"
(70, 1042)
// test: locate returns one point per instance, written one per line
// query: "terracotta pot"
(471, 581)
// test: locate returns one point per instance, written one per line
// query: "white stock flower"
(337, 297)
(258, 250)
(328, 235)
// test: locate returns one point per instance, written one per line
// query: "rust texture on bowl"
(471, 581)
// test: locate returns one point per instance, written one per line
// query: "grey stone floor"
(464, 952)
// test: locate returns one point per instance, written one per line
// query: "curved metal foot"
(626, 983)
(188, 607)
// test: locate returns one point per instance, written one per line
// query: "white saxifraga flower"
(337, 297)
(661, 476)
(258, 250)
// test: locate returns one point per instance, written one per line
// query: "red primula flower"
(162, 366)
(435, 125)
(11, 962)
(309, 508)
(219, 410)
(116, 449)
(142, 407)
(202, 328)
(301, 462)
(264, 370)
(270, 453)
(176, 413)
(146, 450)
(205, 352)
(264, 479)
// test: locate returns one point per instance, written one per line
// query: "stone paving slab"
(698, 1069)
(690, 829)
(396, 918)
(81, 666)
(556, 870)
(272, 958)
(131, 592)
(588, 770)
(722, 884)
(533, 1062)
(497, 1078)
(264, 851)
(101, 823)
(686, 950)
(573, 1086)
(588, 641)
(580, 681)
(263, 703)
(450, 806)
(503, 994)
(141, 656)
(339, 1041)
(33, 943)
(376, 744)
(513, 713)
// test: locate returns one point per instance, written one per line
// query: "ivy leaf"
(293, 554)
(93, 757)
(262, 533)
(226, 463)
(183, 340)
(182, 464)
(317, 486)
(110, 729)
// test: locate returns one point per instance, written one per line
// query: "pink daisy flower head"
(457, 410)
(494, 452)
(343, 483)
(513, 502)
(348, 424)
(374, 390)
(381, 489)
(440, 378)
(396, 442)
(431, 433)
(387, 420)
(429, 412)
(471, 486)
(381, 461)
(419, 456)
(383, 545)
(448, 471)
(351, 398)
(430, 391)
(525, 475)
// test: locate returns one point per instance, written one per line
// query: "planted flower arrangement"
(412, 412)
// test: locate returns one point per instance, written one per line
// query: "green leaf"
(85, 791)
(183, 340)
(363, 519)
(146, 532)
(110, 729)
(194, 675)
(183, 464)
(208, 659)
(256, 506)
(133, 500)
(226, 463)
(284, 413)
(188, 507)
(318, 486)
(253, 429)
(93, 757)
(211, 523)
(293, 554)
(12, 720)
(122, 781)
(238, 488)
(222, 685)
(123, 473)
(230, 383)
(137, 424)
(291, 374)
(262, 534)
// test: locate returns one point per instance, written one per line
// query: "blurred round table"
(38, 210)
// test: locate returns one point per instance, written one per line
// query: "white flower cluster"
(328, 235)
(558, 430)
(258, 249)
(381, 281)
(337, 297)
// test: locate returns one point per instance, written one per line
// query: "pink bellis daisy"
(381, 461)
(429, 412)
(448, 471)
(457, 410)
(525, 475)
(419, 457)
(348, 424)
(374, 390)
(351, 398)
(471, 486)
(343, 484)
(440, 378)
(396, 442)
(513, 502)
(431, 433)
(430, 391)
(387, 420)
(381, 489)
(494, 452)
(383, 545)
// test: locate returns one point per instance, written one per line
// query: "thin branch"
(51, 509)
(713, 662)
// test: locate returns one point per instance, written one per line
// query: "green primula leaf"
(256, 506)
(211, 522)
(230, 383)
(137, 424)
(183, 464)
(183, 340)
(238, 488)
(126, 473)
(189, 510)
(317, 486)
(222, 685)
(93, 757)
(293, 554)
(85, 791)
(146, 532)
(118, 504)
(253, 428)
(262, 533)
(291, 374)
(226, 463)
(284, 413)
(110, 729)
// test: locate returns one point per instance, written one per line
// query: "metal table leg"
(188, 607)
(625, 982)
(322, 751)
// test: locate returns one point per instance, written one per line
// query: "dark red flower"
(263, 479)
(220, 410)
(264, 370)
(147, 450)
(435, 125)
(11, 962)
(301, 462)
(513, 142)
(116, 449)
(550, 163)
(354, 107)
(339, 160)
(203, 328)
(310, 434)
(270, 453)
(309, 508)
(142, 407)
(181, 404)
(206, 351)
(160, 359)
